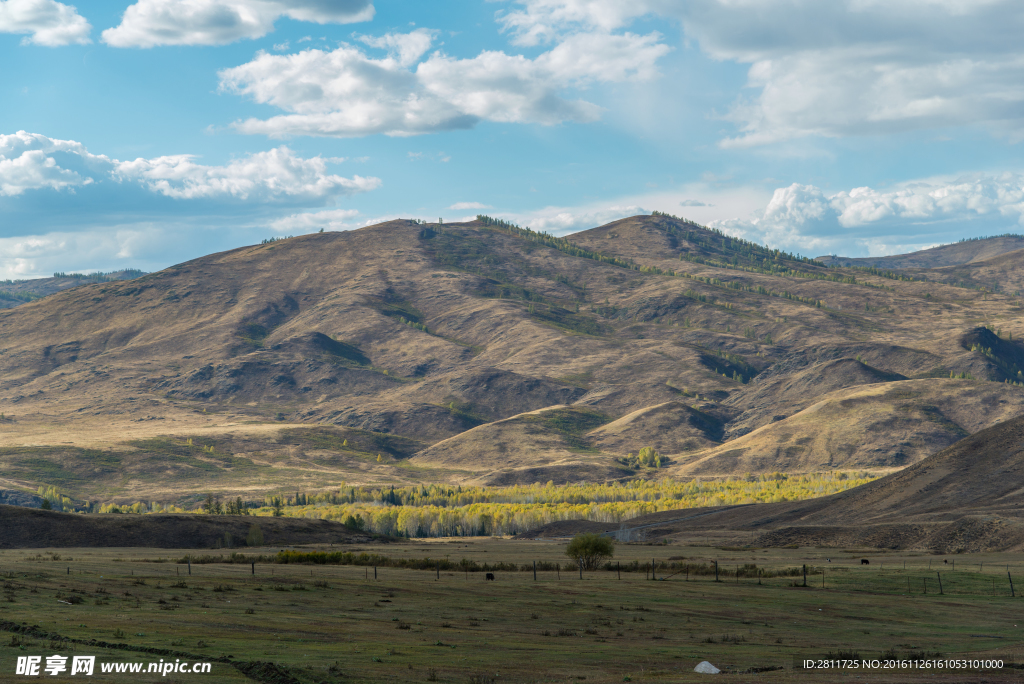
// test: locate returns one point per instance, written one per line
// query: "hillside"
(480, 352)
(17, 292)
(967, 497)
(26, 528)
(956, 254)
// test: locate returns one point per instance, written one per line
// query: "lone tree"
(589, 549)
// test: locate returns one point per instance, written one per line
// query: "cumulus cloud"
(30, 161)
(149, 23)
(804, 218)
(275, 173)
(44, 22)
(345, 92)
(329, 219)
(462, 206)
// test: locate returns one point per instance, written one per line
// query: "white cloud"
(271, 174)
(37, 256)
(405, 48)
(867, 67)
(462, 206)
(694, 203)
(33, 170)
(805, 219)
(344, 92)
(329, 219)
(45, 22)
(29, 161)
(543, 21)
(841, 68)
(148, 23)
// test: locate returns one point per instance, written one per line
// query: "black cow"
(490, 575)
(865, 561)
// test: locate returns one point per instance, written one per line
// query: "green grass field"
(339, 624)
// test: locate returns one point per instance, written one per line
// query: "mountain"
(956, 254)
(483, 352)
(16, 292)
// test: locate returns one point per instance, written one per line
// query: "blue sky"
(146, 133)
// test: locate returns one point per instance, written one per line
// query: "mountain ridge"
(436, 333)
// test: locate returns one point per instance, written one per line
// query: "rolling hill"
(482, 352)
(956, 254)
(967, 497)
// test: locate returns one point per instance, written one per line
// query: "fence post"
(581, 568)
(653, 568)
(618, 569)
(940, 582)
(374, 572)
(534, 571)
(716, 571)
(254, 568)
(1013, 594)
(438, 569)
(190, 566)
(805, 574)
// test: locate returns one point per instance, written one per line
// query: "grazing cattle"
(490, 575)
(829, 560)
(946, 562)
(865, 561)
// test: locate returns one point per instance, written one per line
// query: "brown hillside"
(532, 447)
(405, 338)
(998, 273)
(879, 426)
(22, 528)
(671, 428)
(937, 257)
(967, 497)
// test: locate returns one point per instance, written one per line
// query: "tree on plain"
(589, 549)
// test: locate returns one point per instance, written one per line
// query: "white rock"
(706, 668)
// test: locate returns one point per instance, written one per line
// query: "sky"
(143, 134)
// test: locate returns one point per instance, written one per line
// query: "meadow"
(288, 623)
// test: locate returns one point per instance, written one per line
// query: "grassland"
(340, 624)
